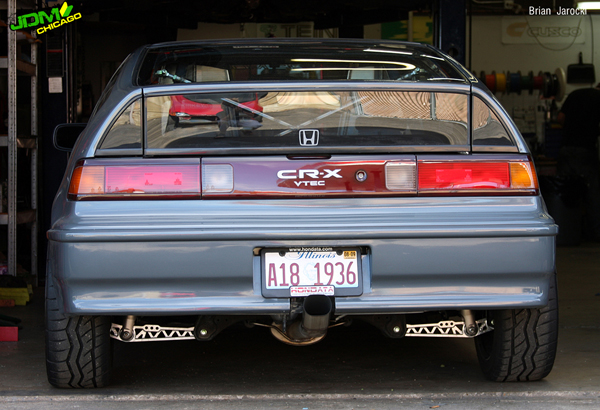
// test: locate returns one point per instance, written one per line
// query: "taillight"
(474, 177)
(463, 175)
(400, 176)
(121, 181)
(523, 176)
(277, 177)
(217, 178)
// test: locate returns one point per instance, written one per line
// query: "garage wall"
(490, 53)
(250, 30)
(214, 31)
(254, 30)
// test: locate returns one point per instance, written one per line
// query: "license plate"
(303, 271)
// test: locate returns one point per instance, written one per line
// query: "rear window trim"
(404, 149)
(495, 148)
(159, 90)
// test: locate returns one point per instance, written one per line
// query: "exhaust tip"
(315, 319)
(317, 305)
(313, 325)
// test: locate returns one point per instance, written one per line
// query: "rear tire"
(78, 348)
(522, 346)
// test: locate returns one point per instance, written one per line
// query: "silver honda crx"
(298, 185)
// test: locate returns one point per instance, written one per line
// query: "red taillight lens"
(115, 181)
(501, 177)
(463, 175)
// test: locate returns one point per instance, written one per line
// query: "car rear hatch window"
(307, 120)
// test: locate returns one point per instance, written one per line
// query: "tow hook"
(127, 332)
(471, 327)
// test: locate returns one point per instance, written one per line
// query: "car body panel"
(203, 236)
(200, 256)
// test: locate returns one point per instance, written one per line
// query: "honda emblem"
(309, 138)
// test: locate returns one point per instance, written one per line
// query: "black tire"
(522, 346)
(78, 348)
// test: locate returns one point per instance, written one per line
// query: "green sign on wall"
(398, 30)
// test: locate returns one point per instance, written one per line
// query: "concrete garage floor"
(352, 368)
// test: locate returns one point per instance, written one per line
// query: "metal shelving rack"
(12, 142)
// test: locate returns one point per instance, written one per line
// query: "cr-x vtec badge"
(312, 177)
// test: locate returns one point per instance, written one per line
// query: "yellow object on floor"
(20, 295)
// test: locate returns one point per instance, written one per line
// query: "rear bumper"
(423, 254)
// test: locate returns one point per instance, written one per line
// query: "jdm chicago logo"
(55, 18)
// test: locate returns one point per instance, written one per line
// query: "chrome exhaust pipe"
(315, 319)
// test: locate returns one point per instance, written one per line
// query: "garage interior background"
(487, 36)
